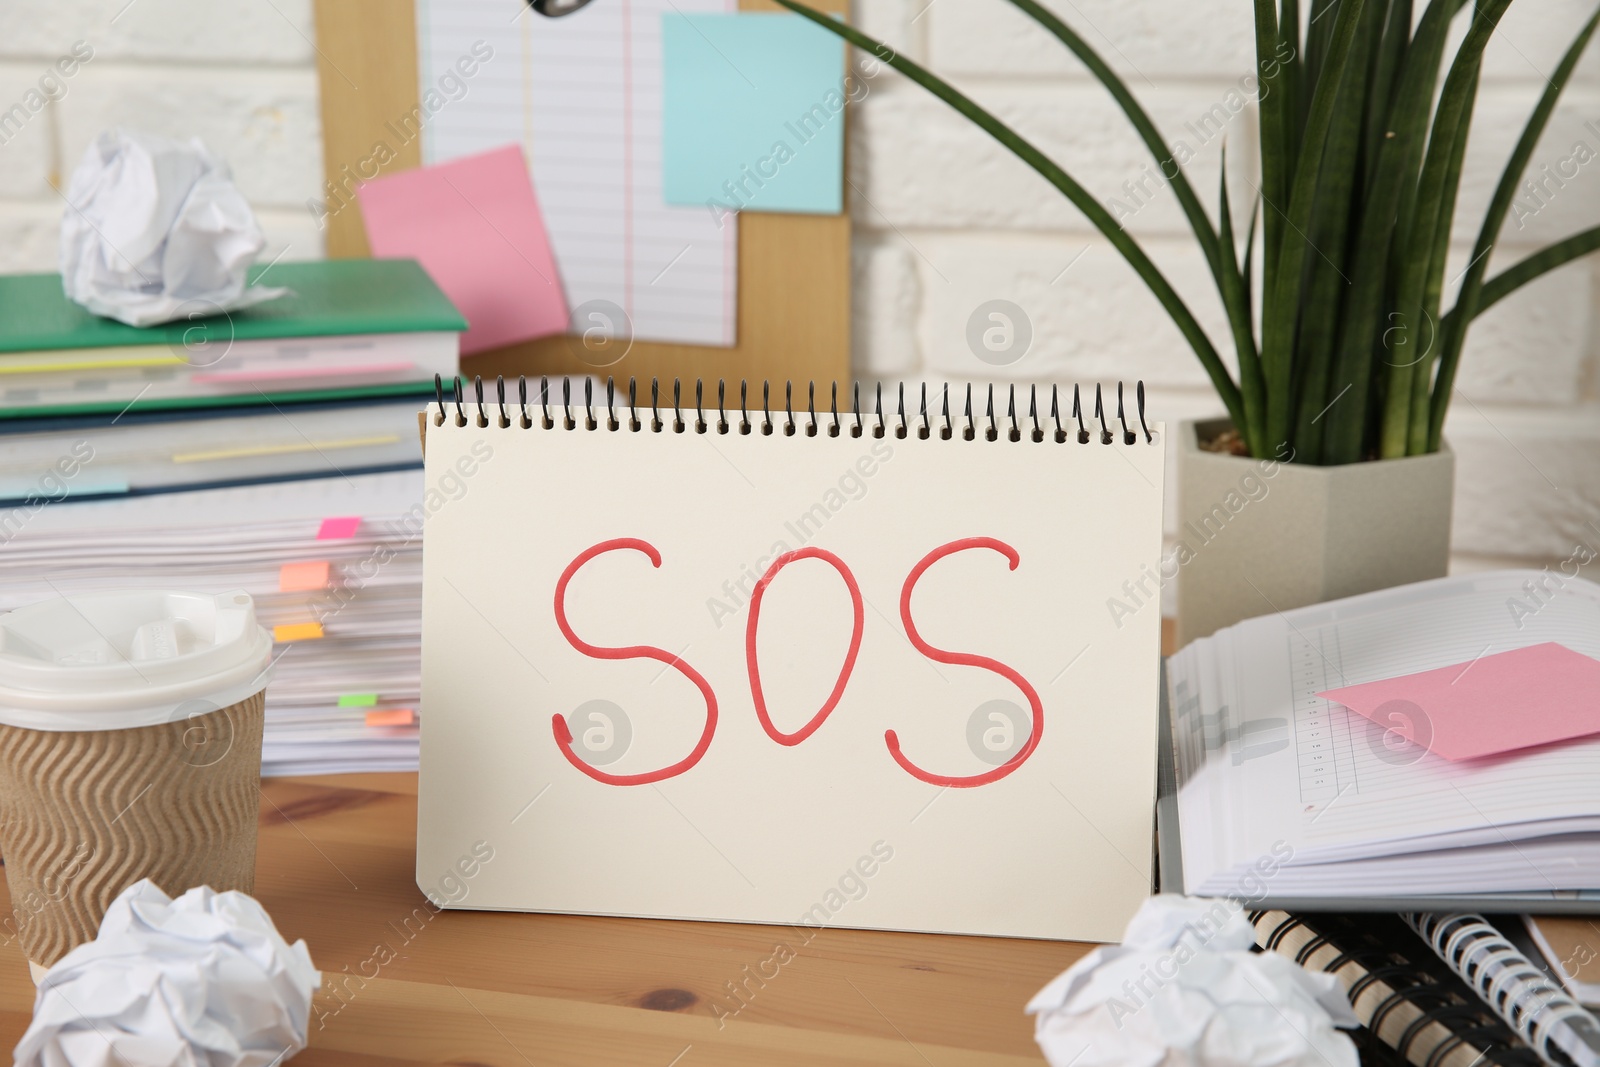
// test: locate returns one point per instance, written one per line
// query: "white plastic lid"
(110, 661)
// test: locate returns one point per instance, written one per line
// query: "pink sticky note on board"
(1493, 704)
(474, 225)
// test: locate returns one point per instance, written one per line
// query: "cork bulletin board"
(794, 270)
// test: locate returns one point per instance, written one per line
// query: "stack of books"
(273, 450)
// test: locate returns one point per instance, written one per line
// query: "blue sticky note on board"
(753, 113)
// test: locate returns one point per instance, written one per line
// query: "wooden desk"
(495, 989)
(511, 990)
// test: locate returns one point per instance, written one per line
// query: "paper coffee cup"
(130, 747)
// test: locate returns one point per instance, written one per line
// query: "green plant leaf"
(1199, 222)
(1536, 266)
(1528, 270)
(1091, 208)
(1294, 82)
(1433, 291)
(1283, 302)
(1275, 141)
(1330, 232)
(1385, 70)
(1319, 30)
(1251, 385)
(1235, 302)
(1248, 267)
(1472, 285)
(1406, 358)
(1399, 156)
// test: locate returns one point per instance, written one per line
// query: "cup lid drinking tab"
(107, 661)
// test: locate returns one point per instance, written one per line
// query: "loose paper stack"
(334, 564)
(1286, 793)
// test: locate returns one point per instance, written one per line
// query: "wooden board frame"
(794, 270)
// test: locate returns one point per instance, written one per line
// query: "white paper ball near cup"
(130, 747)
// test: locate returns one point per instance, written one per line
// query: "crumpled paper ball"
(201, 980)
(155, 230)
(1184, 990)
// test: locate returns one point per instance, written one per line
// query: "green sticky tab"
(358, 700)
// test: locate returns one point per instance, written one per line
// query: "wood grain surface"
(404, 984)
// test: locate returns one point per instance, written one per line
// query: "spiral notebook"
(1475, 998)
(1527, 998)
(1413, 1008)
(788, 654)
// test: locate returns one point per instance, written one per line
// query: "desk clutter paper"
(810, 670)
(157, 232)
(1489, 705)
(582, 96)
(1281, 786)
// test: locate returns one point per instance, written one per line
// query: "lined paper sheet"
(582, 95)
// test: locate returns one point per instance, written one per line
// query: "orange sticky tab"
(297, 631)
(303, 577)
(391, 717)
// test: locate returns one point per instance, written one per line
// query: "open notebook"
(1284, 795)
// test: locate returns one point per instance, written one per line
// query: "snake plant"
(1350, 355)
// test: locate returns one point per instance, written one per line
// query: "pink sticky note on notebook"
(1493, 704)
(474, 225)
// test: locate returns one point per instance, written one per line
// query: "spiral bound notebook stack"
(794, 654)
(1413, 1009)
(1474, 999)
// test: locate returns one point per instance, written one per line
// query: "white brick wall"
(945, 219)
(239, 74)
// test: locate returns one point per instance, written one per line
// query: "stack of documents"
(159, 451)
(334, 564)
(1285, 794)
(272, 449)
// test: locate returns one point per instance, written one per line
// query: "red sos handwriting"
(563, 734)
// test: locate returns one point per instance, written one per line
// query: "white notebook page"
(761, 830)
(1262, 759)
(582, 95)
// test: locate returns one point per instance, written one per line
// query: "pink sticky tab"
(1493, 704)
(474, 225)
(338, 529)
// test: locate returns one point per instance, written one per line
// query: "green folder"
(335, 297)
(328, 297)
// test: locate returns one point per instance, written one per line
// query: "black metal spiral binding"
(1372, 945)
(920, 421)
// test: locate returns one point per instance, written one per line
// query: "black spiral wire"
(919, 421)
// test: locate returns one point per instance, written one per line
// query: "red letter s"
(965, 659)
(559, 724)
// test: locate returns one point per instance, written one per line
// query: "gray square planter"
(1257, 536)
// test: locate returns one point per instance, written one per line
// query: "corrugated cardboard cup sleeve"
(85, 814)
